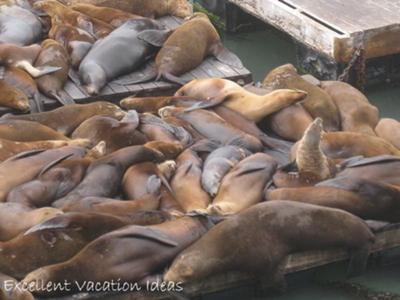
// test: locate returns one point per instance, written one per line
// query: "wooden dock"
(335, 28)
(113, 92)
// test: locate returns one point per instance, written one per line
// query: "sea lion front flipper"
(38, 102)
(36, 72)
(154, 37)
(148, 233)
(225, 56)
(205, 145)
(63, 98)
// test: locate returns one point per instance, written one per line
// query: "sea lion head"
(43, 214)
(169, 111)
(180, 8)
(46, 5)
(94, 78)
(278, 75)
(109, 109)
(168, 149)
(314, 132)
(16, 99)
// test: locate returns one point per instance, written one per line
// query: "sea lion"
(265, 233)
(112, 16)
(186, 48)
(17, 218)
(186, 182)
(356, 113)
(127, 255)
(104, 176)
(211, 126)
(170, 150)
(66, 119)
(116, 134)
(225, 92)
(318, 103)
(9, 289)
(243, 186)
(13, 98)
(389, 129)
(153, 9)
(55, 55)
(76, 41)
(25, 166)
(120, 53)
(61, 14)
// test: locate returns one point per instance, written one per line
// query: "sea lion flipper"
(210, 103)
(148, 73)
(38, 102)
(154, 37)
(36, 72)
(2, 72)
(74, 77)
(148, 233)
(33, 107)
(225, 56)
(172, 78)
(63, 98)
(54, 163)
(205, 145)
(24, 155)
(47, 70)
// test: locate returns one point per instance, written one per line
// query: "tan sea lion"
(54, 54)
(66, 119)
(169, 150)
(267, 233)
(9, 289)
(318, 103)
(389, 129)
(356, 113)
(244, 185)
(13, 98)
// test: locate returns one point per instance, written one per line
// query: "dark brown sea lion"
(25, 166)
(66, 119)
(389, 129)
(13, 98)
(17, 218)
(318, 103)
(127, 255)
(112, 16)
(214, 127)
(54, 54)
(116, 134)
(10, 290)
(186, 182)
(244, 185)
(356, 113)
(104, 176)
(267, 233)
(154, 8)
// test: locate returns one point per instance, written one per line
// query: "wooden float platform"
(114, 93)
(334, 28)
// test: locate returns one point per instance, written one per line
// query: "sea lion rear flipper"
(148, 233)
(54, 163)
(63, 98)
(154, 37)
(225, 56)
(358, 262)
(172, 78)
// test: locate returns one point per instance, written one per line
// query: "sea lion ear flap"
(156, 38)
(225, 56)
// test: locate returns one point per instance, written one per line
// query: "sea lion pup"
(215, 91)
(116, 134)
(213, 127)
(17, 218)
(61, 14)
(186, 182)
(244, 185)
(153, 9)
(25, 166)
(389, 129)
(23, 58)
(10, 290)
(76, 41)
(54, 54)
(55, 182)
(186, 48)
(128, 255)
(55, 240)
(66, 119)
(112, 16)
(318, 103)
(120, 53)
(262, 237)
(356, 113)
(104, 176)
(13, 98)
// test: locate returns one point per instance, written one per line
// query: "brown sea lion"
(54, 54)
(267, 233)
(17, 218)
(318, 103)
(389, 129)
(61, 14)
(66, 119)
(254, 107)
(154, 8)
(213, 127)
(112, 16)
(244, 185)
(356, 113)
(127, 255)
(169, 150)
(13, 98)
(186, 182)
(10, 290)
(116, 134)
